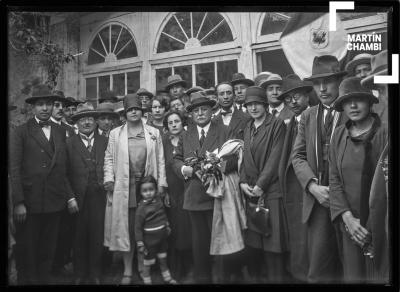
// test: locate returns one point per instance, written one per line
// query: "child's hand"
(167, 202)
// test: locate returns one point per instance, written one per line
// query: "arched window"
(113, 42)
(274, 22)
(193, 29)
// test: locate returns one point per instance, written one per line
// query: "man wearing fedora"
(85, 172)
(230, 116)
(58, 112)
(310, 163)
(105, 118)
(360, 66)
(272, 85)
(69, 110)
(379, 65)
(240, 83)
(176, 88)
(296, 95)
(40, 189)
(145, 97)
(203, 135)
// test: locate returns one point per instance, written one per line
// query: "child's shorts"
(156, 245)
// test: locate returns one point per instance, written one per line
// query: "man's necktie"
(274, 112)
(202, 138)
(44, 123)
(89, 141)
(328, 121)
(104, 133)
(226, 113)
(240, 107)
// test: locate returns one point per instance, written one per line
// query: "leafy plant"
(28, 35)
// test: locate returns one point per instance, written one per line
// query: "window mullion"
(126, 83)
(173, 70)
(193, 75)
(111, 82)
(97, 91)
(216, 81)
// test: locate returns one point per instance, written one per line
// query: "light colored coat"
(116, 169)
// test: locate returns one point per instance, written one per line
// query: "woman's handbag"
(258, 218)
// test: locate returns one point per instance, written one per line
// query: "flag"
(307, 35)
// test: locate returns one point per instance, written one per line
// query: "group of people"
(305, 197)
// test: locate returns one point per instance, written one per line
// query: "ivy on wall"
(29, 35)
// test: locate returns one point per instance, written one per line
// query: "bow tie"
(44, 123)
(226, 113)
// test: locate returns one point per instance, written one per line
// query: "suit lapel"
(57, 140)
(210, 139)
(37, 133)
(194, 138)
(80, 147)
(235, 119)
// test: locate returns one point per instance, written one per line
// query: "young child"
(152, 230)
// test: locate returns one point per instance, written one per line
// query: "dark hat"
(325, 66)
(72, 101)
(198, 99)
(119, 106)
(106, 108)
(357, 60)
(209, 91)
(255, 94)
(194, 89)
(351, 87)
(271, 79)
(240, 78)
(61, 96)
(379, 66)
(132, 100)
(144, 91)
(41, 91)
(174, 79)
(84, 110)
(108, 95)
(292, 83)
(261, 77)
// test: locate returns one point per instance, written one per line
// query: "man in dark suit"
(229, 115)
(40, 189)
(310, 163)
(296, 96)
(58, 112)
(85, 172)
(240, 84)
(201, 136)
(277, 108)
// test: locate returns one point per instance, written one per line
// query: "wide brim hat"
(255, 94)
(173, 80)
(132, 100)
(241, 78)
(357, 60)
(271, 79)
(261, 77)
(145, 92)
(351, 87)
(325, 66)
(84, 110)
(293, 83)
(379, 66)
(106, 108)
(198, 99)
(41, 91)
(119, 106)
(194, 89)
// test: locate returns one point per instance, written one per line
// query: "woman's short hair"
(148, 179)
(170, 113)
(124, 112)
(161, 99)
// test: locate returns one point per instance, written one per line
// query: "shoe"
(126, 280)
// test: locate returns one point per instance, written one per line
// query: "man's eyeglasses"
(295, 97)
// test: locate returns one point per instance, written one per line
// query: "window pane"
(274, 61)
(115, 29)
(161, 77)
(205, 75)
(210, 22)
(105, 36)
(274, 22)
(91, 88)
(197, 18)
(94, 57)
(133, 79)
(226, 69)
(184, 20)
(166, 44)
(127, 51)
(172, 28)
(104, 84)
(119, 84)
(186, 74)
(221, 35)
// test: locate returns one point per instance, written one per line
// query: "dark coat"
(195, 198)
(70, 130)
(78, 171)
(237, 124)
(286, 114)
(37, 172)
(305, 156)
(261, 168)
(293, 201)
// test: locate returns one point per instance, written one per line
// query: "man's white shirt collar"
(206, 128)
(55, 121)
(37, 121)
(279, 108)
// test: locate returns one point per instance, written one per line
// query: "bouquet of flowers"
(208, 168)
